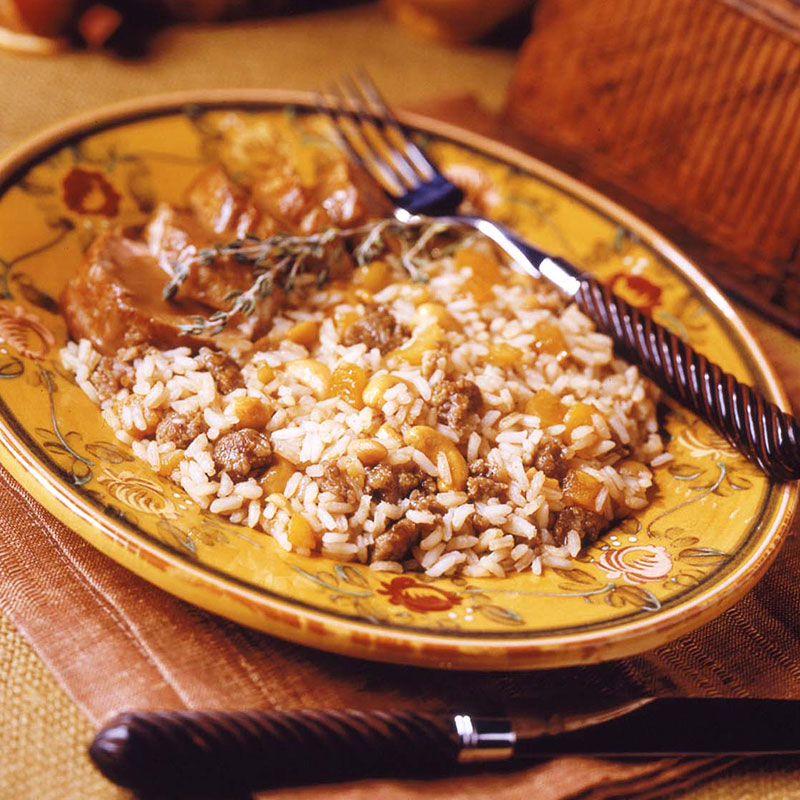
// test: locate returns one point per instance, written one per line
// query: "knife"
(203, 753)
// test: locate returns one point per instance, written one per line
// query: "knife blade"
(181, 753)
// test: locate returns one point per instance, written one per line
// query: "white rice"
(464, 530)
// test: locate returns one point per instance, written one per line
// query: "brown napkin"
(116, 642)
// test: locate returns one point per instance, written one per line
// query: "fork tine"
(369, 90)
(373, 122)
(332, 104)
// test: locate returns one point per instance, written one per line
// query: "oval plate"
(713, 527)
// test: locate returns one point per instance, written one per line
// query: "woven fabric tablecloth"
(42, 751)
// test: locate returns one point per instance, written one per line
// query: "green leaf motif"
(499, 614)
(576, 575)
(703, 556)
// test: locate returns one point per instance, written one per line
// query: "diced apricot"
(545, 405)
(504, 355)
(549, 338)
(582, 489)
(304, 333)
(301, 534)
(171, 461)
(579, 414)
(274, 480)
(265, 373)
(348, 382)
(486, 272)
(250, 412)
(423, 341)
(373, 277)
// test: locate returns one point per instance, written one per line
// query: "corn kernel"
(431, 442)
(313, 374)
(423, 341)
(390, 435)
(344, 319)
(368, 451)
(376, 388)
(250, 412)
(304, 333)
(435, 312)
(265, 373)
(373, 276)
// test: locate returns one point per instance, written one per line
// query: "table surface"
(42, 750)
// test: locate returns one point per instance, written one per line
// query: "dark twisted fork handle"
(200, 754)
(758, 428)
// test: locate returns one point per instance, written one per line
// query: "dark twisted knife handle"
(758, 428)
(192, 753)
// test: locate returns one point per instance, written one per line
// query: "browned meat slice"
(550, 460)
(180, 430)
(115, 300)
(456, 400)
(588, 524)
(377, 328)
(333, 480)
(226, 372)
(241, 452)
(222, 207)
(394, 544)
(173, 233)
(393, 483)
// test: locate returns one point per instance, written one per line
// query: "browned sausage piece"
(226, 372)
(550, 460)
(180, 430)
(394, 544)
(588, 524)
(456, 400)
(377, 328)
(242, 452)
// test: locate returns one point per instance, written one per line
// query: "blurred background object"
(454, 20)
(687, 112)
(121, 24)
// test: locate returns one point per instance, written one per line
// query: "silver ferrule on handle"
(562, 274)
(484, 739)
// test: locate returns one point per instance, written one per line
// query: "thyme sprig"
(278, 260)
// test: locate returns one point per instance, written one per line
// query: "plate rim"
(276, 616)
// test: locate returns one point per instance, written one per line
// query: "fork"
(374, 138)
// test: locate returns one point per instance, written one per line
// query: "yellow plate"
(713, 527)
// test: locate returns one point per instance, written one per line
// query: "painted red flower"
(88, 192)
(416, 596)
(638, 291)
